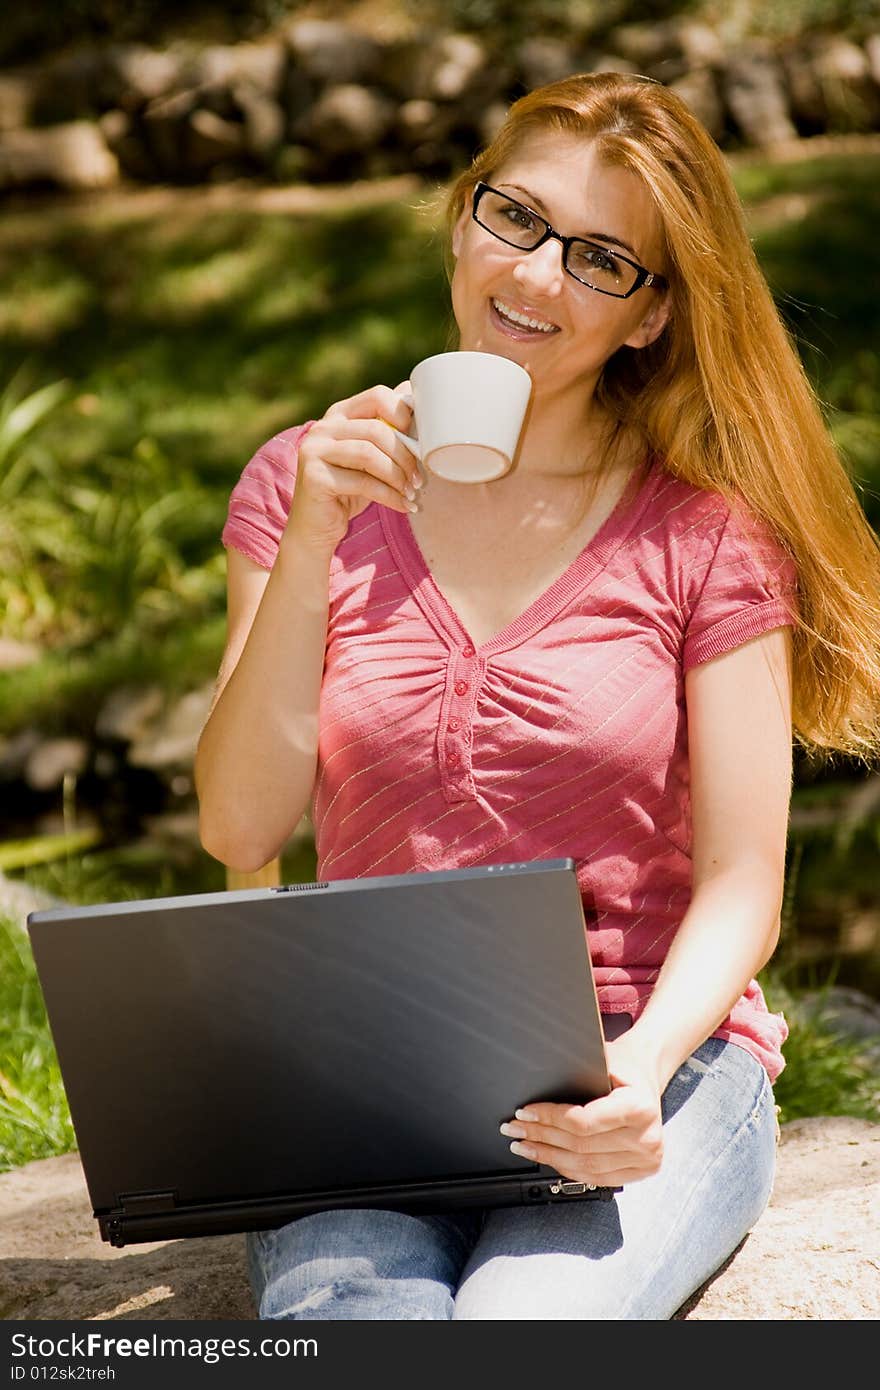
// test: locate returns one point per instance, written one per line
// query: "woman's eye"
(594, 258)
(519, 216)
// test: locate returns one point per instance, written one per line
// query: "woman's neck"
(565, 440)
(553, 470)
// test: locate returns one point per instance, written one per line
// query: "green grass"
(183, 343)
(34, 1119)
(205, 333)
(825, 1072)
(61, 691)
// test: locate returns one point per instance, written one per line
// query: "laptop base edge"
(120, 1228)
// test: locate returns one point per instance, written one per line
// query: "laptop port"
(571, 1189)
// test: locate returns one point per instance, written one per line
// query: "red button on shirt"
(452, 759)
(454, 725)
(461, 687)
(467, 651)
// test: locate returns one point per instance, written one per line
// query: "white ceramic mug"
(469, 409)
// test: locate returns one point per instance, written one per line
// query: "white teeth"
(522, 319)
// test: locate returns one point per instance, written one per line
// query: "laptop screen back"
(368, 1032)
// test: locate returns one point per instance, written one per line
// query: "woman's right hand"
(348, 459)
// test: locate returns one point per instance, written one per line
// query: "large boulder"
(541, 59)
(756, 96)
(851, 98)
(329, 51)
(73, 156)
(136, 74)
(261, 66)
(812, 1255)
(347, 119)
(18, 98)
(698, 88)
(170, 741)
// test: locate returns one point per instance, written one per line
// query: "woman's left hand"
(608, 1142)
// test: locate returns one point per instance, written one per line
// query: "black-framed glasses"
(589, 262)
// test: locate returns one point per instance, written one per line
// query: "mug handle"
(411, 443)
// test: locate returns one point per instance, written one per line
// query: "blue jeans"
(638, 1256)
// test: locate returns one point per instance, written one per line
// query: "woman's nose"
(541, 270)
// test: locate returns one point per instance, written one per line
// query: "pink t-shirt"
(565, 735)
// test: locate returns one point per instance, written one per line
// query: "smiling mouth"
(524, 322)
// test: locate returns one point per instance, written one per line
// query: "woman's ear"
(653, 324)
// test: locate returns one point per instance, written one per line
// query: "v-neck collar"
(580, 573)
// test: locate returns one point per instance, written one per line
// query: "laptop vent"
(300, 887)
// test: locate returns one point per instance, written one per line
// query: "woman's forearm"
(257, 754)
(727, 934)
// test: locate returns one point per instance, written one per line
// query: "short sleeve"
(260, 501)
(748, 587)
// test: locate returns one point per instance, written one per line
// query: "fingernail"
(513, 1131)
(418, 480)
(524, 1150)
(413, 507)
(526, 1115)
(410, 492)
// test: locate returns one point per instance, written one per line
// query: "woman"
(681, 581)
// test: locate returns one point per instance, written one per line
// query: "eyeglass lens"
(587, 261)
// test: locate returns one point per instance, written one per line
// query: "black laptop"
(234, 1060)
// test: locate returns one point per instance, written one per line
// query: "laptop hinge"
(141, 1203)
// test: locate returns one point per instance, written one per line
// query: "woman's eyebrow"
(535, 201)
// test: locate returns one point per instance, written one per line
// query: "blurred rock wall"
(323, 101)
